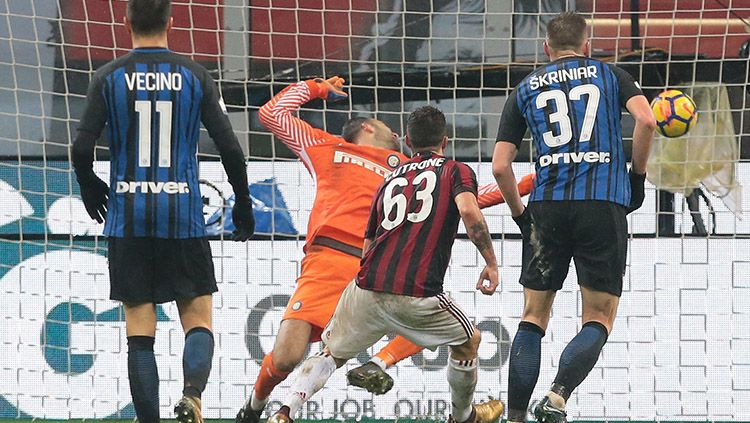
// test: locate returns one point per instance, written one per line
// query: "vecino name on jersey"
(562, 75)
(153, 81)
(433, 162)
(148, 187)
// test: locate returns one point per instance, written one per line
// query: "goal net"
(680, 349)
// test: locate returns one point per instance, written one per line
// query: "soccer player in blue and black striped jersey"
(578, 206)
(152, 102)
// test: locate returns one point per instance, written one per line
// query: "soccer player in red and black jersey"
(413, 223)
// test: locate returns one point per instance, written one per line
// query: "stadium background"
(680, 349)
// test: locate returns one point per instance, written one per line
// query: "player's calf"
(462, 378)
(576, 361)
(523, 371)
(288, 350)
(144, 378)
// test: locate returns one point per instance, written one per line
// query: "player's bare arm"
(502, 169)
(479, 234)
(643, 138)
(643, 134)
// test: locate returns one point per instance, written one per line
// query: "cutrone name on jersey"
(153, 81)
(578, 157)
(148, 187)
(433, 162)
(561, 75)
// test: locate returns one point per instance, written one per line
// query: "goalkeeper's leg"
(288, 350)
(140, 323)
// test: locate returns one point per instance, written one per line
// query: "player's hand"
(334, 88)
(489, 273)
(637, 191)
(523, 221)
(94, 193)
(243, 219)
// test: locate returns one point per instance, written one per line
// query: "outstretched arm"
(491, 195)
(278, 115)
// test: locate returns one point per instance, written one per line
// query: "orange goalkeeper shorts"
(325, 274)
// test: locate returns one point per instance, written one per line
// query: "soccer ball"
(675, 113)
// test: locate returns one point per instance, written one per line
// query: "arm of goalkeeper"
(490, 194)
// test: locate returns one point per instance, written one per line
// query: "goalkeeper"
(347, 171)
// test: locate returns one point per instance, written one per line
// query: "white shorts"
(363, 317)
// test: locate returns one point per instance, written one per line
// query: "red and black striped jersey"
(413, 223)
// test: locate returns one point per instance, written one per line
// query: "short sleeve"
(213, 110)
(627, 86)
(372, 223)
(464, 179)
(512, 123)
(95, 115)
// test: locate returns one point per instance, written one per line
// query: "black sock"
(196, 360)
(525, 358)
(579, 357)
(144, 378)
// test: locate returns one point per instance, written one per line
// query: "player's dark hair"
(352, 128)
(426, 127)
(566, 31)
(149, 17)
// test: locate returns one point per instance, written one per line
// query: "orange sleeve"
(490, 195)
(278, 115)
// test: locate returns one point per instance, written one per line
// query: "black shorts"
(593, 233)
(156, 270)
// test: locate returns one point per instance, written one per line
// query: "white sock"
(312, 377)
(257, 404)
(379, 362)
(462, 378)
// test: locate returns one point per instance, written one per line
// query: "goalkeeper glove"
(523, 221)
(94, 193)
(637, 190)
(332, 87)
(243, 218)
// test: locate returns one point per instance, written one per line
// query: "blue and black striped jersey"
(153, 102)
(572, 107)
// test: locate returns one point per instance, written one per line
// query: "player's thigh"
(195, 312)
(140, 319)
(356, 325)
(185, 269)
(600, 245)
(131, 270)
(537, 306)
(599, 307)
(324, 276)
(428, 322)
(547, 251)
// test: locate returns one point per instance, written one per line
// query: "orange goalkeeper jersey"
(346, 175)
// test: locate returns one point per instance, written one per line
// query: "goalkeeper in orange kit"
(347, 171)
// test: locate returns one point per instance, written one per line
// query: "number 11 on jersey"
(164, 110)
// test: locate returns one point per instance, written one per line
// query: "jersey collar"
(150, 50)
